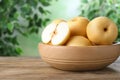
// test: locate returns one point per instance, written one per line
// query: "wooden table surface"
(33, 68)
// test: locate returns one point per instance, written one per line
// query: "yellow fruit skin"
(102, 31)
(78, 26)
(78, 41)
(57, 21)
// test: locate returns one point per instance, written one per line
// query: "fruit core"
(54, 33)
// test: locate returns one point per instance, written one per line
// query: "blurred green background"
(21, 22)
(59, 9)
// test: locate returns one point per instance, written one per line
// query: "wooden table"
(33, 68)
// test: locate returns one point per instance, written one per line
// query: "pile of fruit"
(79, 31)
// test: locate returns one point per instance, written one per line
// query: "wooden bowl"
(81, 58)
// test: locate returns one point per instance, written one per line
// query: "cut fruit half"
(48, 33)
(56, 34)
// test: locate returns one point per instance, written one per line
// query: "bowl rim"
(79, 46)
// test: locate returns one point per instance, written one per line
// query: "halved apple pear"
(56, 34)
(47, 33)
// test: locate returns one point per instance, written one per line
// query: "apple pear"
(102, 31)
(78, 41)
(78, 26)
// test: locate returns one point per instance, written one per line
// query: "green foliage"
(20, 17)
(108, 8)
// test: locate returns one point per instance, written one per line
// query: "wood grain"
(33, 68)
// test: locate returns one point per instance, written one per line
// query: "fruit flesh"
(56, 34)
(61, 35)
(47, 33)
